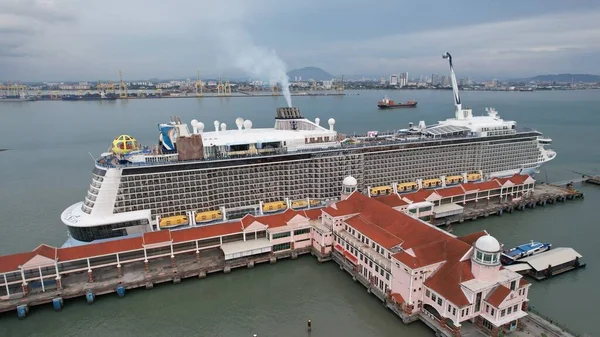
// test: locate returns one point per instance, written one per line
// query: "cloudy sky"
(93, 39)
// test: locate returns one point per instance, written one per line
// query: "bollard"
(121, 291)
(57, 303)
(89, 296)
(22, 311)
(309, 325)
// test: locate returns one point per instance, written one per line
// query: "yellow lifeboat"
(431, 183)
(314, 202)
(298, 204)
(473, 176)
(381, 190)
(208, 216)
(173, 221)
(407, 187)
(451, 180)
(270, 207)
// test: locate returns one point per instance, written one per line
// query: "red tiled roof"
(387, 226)
(278, 220)
(523, 282)
(312, 214)
(419, 196)
(447, 280)
(247, 220)
(205, 232)
(99, 249)
(519, 179)
(497, 296)
(373, 232)
(502, 181)
(46, 251)
(150, 238)
(424, 255)
(471, 238)
(398, 298)
(13, 261)
(487, 185)
(470, 187)
(450, 191)
(392, 200)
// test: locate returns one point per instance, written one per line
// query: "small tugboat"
(524, 250)
(387, 103)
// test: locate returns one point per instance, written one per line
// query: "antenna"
(457, 102)
(94, 159)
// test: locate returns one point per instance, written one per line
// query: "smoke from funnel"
(255, 60)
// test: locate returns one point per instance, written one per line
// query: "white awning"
(445, 210)
(553, 257)
(518, 267)
(235, 250)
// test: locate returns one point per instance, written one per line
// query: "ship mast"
(457, 103)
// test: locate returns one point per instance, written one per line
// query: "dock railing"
(554, 322)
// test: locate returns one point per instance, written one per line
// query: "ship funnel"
(247, 124)
(223, 126)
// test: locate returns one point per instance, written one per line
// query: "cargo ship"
(387, 103)
(192, 176)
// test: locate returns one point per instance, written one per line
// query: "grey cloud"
(45, 11)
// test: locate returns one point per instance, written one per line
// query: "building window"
(513, 285)
(516, 308)
(371, 264)
(281, 235)
(487, 325)
(302, 231)
(282, 246)
(427, 293)
(387, 276)
(439, 301)
(453, 311)
(449, 308)
(493, 312)
(433, 297)
(376, 268)
(467, 311)
(509, 311)
(503, 313)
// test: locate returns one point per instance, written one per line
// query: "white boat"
(524, 250)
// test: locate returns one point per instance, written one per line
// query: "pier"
(348, 232)
(541, 196)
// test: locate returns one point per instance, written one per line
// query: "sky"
(60, 40)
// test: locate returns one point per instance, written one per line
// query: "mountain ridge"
(310, 73)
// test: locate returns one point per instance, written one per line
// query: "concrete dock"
(543, 195)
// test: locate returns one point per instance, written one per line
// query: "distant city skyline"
(62, 40)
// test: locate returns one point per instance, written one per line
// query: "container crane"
(122, 86)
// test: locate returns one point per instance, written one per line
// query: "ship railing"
(375, 142)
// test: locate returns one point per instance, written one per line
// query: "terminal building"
(455, 284)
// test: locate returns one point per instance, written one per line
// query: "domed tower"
(349, 185)
(485, 262)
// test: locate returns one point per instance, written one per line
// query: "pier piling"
(57, 303)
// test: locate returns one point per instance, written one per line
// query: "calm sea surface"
(48, 168)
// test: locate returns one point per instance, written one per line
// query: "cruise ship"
(194, 176)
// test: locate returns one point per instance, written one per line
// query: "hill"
(308, 73)
(562, 78)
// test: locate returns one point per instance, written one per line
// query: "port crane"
(122, 86)
(199, 85)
